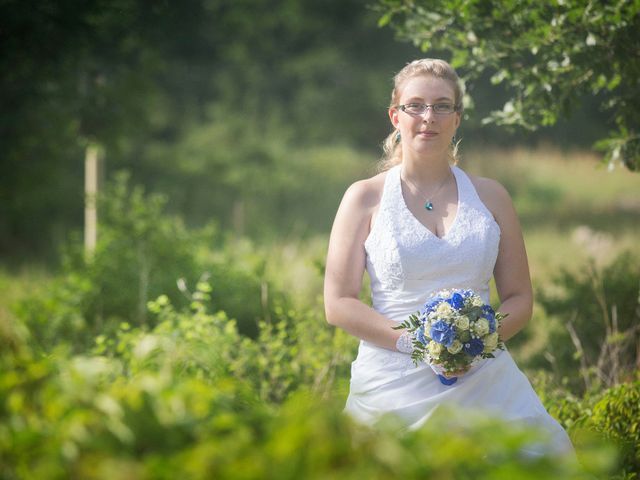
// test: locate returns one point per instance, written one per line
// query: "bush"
(617, 416)
(180, 402)
(595, 313)
(141, 254)
(569, 409)
(612, 415)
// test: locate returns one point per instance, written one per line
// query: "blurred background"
(229, 130)
(229, 108)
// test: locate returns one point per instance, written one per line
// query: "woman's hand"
(457, 373)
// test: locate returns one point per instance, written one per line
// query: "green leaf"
(385, 19)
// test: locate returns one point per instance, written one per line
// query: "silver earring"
(398, 137)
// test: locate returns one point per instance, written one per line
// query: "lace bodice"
(407, 262)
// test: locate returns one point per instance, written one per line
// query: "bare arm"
(345, 268)
(511, 271)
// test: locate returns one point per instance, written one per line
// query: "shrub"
(612, 415)
(569, 409)
(617, 416)
(595, 316)
(86, 417)
(141, 254)
(192, 398)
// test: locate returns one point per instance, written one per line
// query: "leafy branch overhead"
(549, 56)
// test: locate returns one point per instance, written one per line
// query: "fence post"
(92, 173)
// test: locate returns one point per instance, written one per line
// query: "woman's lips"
(428, 134)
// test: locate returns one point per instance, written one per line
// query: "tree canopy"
(549, 55)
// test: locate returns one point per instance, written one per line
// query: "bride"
(420, 226)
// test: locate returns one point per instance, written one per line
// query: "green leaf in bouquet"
(465, 336)
(417, 356)
(404, 325)
(474, 313)
(415, 321)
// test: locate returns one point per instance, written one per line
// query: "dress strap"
(467, 193)
(388, 201)
(465, 187)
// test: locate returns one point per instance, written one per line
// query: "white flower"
(455, 347)
(462, 322)
(444, 309)
(435, 349)
(490, 342)
(476, 301)
(481, 327)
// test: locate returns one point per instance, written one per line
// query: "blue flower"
(492, 325)
(456, 301)
(443, 333)
(488, 312)
(473, 347)
(490, 315)
(431, 306)
(420, 336)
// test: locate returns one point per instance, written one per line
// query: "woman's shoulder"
(358, 207)
(366, 193)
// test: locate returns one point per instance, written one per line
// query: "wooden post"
(92, 170)
(237, 217)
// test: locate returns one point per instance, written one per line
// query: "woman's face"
(430, 132)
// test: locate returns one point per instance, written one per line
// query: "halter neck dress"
(407, 263)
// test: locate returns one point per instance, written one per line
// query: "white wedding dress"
(406, 263)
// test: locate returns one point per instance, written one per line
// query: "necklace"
(428, 204)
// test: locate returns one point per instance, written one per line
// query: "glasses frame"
(426, 106)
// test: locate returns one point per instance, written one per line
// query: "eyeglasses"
(421, 108)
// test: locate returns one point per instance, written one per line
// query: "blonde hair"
(427, 66)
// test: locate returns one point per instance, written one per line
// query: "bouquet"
(453, 331)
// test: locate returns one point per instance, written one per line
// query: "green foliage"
(147, 82)
(258, 187)
(192, 397)
(75, 72)
(181, 400)
(617, 415)
(548, 56)
(292, 350)
(595, 315)
(141, 254)
(569, 409)
(611, 414)
(187, 395)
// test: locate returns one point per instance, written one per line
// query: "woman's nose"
(428, 115)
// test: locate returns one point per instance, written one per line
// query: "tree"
(202, 99)
(74, 72)
(549, 56)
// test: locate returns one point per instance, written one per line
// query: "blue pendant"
(428, 206)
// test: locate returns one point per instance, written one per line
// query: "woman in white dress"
(420, 226)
